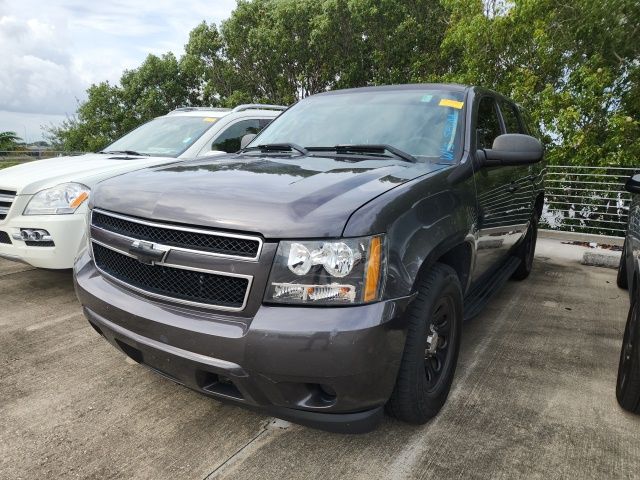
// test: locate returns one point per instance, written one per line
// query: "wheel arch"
(460, 257)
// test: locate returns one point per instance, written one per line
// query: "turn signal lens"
(79, 199)
(373, 270)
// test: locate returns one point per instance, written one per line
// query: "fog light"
(328, 392)
(34, 237)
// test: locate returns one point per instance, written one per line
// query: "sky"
(51, 51)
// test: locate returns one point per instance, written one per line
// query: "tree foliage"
(9, 140)
(575, 66)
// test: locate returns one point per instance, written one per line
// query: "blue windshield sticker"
(426, 98)
(448, 136)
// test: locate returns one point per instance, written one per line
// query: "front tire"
(621, 279)
(628, 384)
(431, 350)
(527, 250)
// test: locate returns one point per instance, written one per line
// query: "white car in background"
(43, 203)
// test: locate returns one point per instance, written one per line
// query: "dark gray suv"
(628, 383)
(324, 271)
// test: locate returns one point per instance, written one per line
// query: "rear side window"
(229, 140)
(488, 123)
(510, 116)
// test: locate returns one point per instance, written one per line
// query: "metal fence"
(587, 199)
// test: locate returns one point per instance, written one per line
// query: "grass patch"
(8, 164)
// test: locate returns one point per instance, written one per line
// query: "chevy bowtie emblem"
(147, 252)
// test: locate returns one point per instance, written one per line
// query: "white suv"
(43, 203)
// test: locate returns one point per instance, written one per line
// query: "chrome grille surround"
(166, 263)
(173, 246)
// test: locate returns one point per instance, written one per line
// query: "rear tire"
(431, 350)
(628, 383)
(622, 280)
(527, 250)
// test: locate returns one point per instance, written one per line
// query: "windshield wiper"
(126, 152)
(371, 149)
(277, 147)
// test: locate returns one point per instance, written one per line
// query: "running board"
(475, 302)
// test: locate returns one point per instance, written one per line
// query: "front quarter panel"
(423, 219)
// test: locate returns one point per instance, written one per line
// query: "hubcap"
(437, 343)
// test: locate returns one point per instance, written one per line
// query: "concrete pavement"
(534, 397)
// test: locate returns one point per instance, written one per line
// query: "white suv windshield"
(424, 123)
(163, 136)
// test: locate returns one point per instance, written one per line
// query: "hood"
(294, 197)
(29, 178)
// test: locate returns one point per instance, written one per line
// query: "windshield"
(164, 136)
(424, 123)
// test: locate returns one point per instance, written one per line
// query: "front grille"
(4, 238)
(177, 283)
(6, 200)
(179, 237)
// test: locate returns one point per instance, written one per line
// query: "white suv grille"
(6, 200)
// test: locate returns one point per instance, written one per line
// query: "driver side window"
(229, 140)
(488, 123)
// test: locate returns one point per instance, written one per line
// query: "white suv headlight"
(347, 271)
(60, 200)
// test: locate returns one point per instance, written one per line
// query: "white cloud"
(36, 74)
(53, 50)
(28, 126)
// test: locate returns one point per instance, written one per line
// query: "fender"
(423, 219)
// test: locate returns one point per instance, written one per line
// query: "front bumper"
(67, 231)
(330, 368)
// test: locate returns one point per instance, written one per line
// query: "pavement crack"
(229, 460)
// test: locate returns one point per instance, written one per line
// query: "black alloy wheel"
(628, 384)
(437, 354)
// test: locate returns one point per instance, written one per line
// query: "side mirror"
(246, 140)
(512, 149)
(633, 184)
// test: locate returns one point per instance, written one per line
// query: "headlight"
(328, 272)
(59, 200)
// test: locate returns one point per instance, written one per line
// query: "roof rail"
(258, 106)
(194, 109)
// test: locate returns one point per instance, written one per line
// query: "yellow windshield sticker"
(210, 119)
(445, 102)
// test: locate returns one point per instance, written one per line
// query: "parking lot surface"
(534, 397)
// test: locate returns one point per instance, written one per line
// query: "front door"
(498, 225)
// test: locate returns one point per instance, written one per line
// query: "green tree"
(571, 65)
(575, 66)
(9, 140)
(110, 111)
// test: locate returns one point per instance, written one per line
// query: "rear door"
(497, 226)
